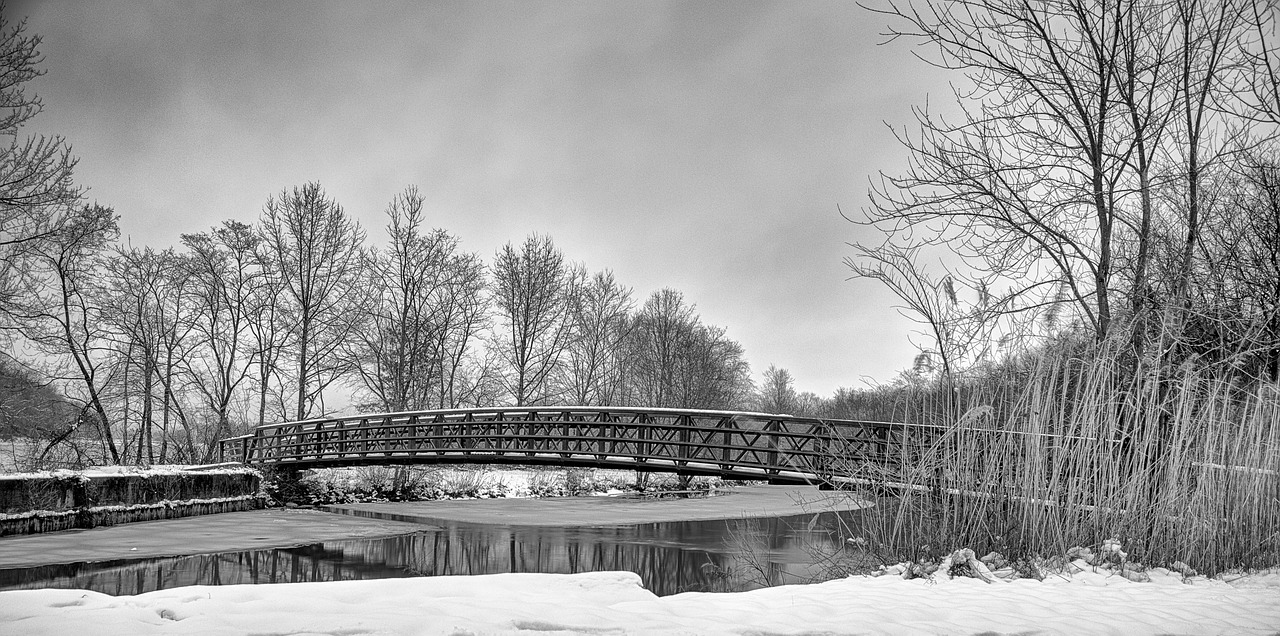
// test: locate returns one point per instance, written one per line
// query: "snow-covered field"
(615, 603)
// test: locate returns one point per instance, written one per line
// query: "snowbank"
(137, 471)
(614, 602)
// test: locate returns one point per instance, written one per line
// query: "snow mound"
(615, 603)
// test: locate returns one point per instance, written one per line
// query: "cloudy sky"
(702, 146)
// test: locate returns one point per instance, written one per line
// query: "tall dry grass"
(1073, 448)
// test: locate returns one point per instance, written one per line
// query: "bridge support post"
(684, 480)
(283, 484)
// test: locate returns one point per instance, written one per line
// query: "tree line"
(168, 350)
(118, 353)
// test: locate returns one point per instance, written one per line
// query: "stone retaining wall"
(47, 502)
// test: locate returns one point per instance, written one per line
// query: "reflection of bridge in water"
(735, 445)
(669, 557)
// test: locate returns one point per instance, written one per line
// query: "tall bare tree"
(600, 313)
(1209, 33)
(654, 347)
(425, 314)
(129, 300)
(1027, 185)
(673, 360)
(777, 393)
(533, 289)
(224, 273)
(314, 247)
(711, 372)
(146, 299)
(1258, 83)
(36, 189)
(60, 314)
(391, 353)
(1086, 133)
(268, 325)
(461, 315)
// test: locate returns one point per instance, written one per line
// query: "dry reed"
(1043, 454)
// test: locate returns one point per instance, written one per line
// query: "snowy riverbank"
(615, 603)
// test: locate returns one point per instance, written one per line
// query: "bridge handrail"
(735, 441)
(585, 409)
(673, 411)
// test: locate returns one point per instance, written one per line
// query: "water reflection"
(670, 557)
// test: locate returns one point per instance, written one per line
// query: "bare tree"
(1257, 84)
(1086, 135)
(36, 188)
(426, 312)
(311, 244)
(959, 333)
(674, 360)
(1027, 186)
(1237, 289)
(129, 304)
(654, 346)
(600, 314)
(270, 333)
(711, 372)
(1146, 103)
(224, 273)
(392, 353)
(59, 314)
(777, 393)
(1209, 33)
(534, 291)
(461, 315)
(146, 301)
(174, 315)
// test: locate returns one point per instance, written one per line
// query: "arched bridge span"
(734, 445)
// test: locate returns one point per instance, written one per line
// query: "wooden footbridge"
(733, 445)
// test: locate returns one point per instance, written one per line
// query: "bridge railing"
(235, 449)
(719, 442)
(727, 443)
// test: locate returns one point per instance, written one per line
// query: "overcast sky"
(702, 146)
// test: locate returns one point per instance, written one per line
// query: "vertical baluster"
(771, 442)
(682, 448)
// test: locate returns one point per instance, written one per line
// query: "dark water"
(730, 555)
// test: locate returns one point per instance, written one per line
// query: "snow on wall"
(57, 500)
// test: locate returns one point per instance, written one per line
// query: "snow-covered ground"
(139, 471)
(615, 603)
(1088, 601)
